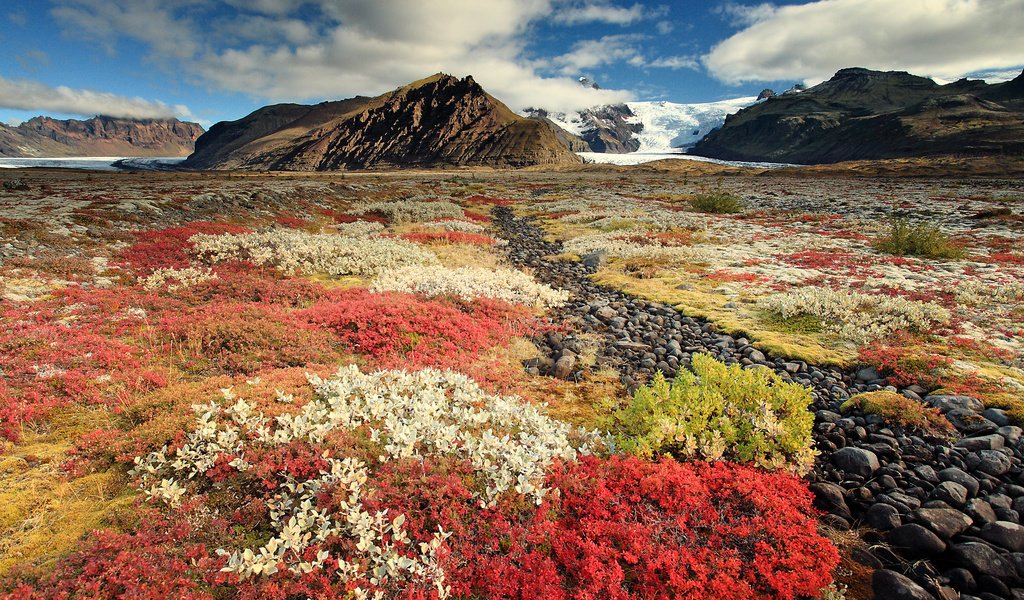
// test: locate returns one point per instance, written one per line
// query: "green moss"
(806, 324)
(897, 409)
(719, 412)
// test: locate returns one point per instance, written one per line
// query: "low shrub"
(169, 248)
(899, 410)
(471, 283)
(720, 412)
(245, 338)
(396, 329)
(717, 202)
(449, 237)
(918, 239)
(412, 211)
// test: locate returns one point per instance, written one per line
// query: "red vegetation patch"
(449, 237)
(167, 248)
(341, 217)
(251, 284)
(292, 222)
(245, 338)
(403, 330)
(478, 200)
(479, 218)
(623, 528)
(729, 277)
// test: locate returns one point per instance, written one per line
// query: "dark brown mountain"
(861, 114)
(98, 136)
(435, 122)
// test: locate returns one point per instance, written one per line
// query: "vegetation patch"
(897, 409)
(906, 238)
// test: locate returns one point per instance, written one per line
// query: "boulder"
(890, 585)
(856, 461)
(915, 541)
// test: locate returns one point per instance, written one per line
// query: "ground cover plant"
(342, 389)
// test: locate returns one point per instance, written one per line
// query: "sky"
(209, 61)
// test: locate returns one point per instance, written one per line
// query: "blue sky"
(216, 60)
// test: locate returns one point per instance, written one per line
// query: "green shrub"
(720, 412)
(917, 239)
(716, 201)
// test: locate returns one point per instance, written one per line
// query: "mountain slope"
(98, 136)
(861, 114)
(437, 121)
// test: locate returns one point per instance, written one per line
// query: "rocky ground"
(931, 514)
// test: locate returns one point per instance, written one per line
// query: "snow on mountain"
(669, 127)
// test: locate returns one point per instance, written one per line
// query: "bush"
(720, 412)
(401, 330)
(717, 202)
(899, 410)
(917, 239)
(508, 285)
(169, 248)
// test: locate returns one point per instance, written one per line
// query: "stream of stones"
(940, 518)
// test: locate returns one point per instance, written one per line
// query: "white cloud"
(32, 95)
(587, 54)
(664, 27)
(675, 62)
(746, 14)
(941, 38)
(599, 12)
(352, 47)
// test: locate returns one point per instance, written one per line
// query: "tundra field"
(598, 384)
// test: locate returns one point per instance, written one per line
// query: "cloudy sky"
(210, 60)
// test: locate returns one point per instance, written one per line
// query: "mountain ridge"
(101, 135)
(860, 114)
(438, 121)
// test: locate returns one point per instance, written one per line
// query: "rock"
(997, 416)
(1010, 433)
(606, 313)
(867, 374)
(992, 462)
(981, 511)
(596, 260)
(969, 422)
(946, 522)
(983, 560)
(1005, 535)
(856, 460)
(951, 493)
(992, 441)
(890, 585)
(959, 476)
(564, 366)
(961, 579)
(756, 355)
(948, 403)
(915, 541)
(829, 497)
(882, 517)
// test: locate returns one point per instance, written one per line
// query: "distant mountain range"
(861, 114)
(98, 136)
(437, 121)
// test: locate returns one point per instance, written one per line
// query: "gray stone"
(951, 493)
(982, 559)
(564, 366)
(1005, 535)
(756, 355)
(856, 460)
(596, 260)
(959, 476)
(947, 403)
(913, 540)
(946, 522)
(1011, 434)
(969, 422)
(606, 313)
(882, 517)
(829, 498)
(997, 416)
(992, 462)
(867, 374)
(992, 441)
(890, 585)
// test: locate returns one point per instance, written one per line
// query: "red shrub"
(406, 331)
(449, 237)
(479, 218)
(249, 284)
(293, 222)
(245, 338)
(169, 247)
(486, 200)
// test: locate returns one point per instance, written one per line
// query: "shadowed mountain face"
(98, 136)
(438, 121)
(862, 114)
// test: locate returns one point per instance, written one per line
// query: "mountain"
(437, 121)
(861, 114)
(655, 127)
(98, 136)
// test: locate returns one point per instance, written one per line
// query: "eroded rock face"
(99, 136)
(438, 121)
(863, 114)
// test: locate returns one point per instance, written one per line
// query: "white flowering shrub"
(359, 228)
(406, 415)
(509, 285)
(295, 250)
(457, 225)
(412, 211)
(856, 316)
(176, 279)
(616, 245)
